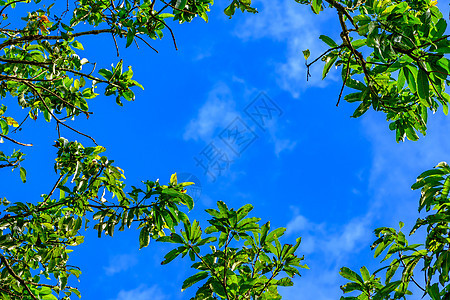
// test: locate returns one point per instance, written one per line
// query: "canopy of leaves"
(43, 69)
(393, 55)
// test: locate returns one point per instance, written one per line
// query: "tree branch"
(14, 141)
(53, 115)
(13, 274)
(40, 37)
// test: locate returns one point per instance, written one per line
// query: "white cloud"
(396, 166)
(280, 144)
(217, 112)
(394, 169)
(119, 263)
(298, 28)
(298, 223)
(327, 248)
(355, 235)
(276, 19)
(142, 293)
(334, 242)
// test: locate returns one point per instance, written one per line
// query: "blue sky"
(311, 168)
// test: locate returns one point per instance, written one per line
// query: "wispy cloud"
(334, 242)
(219, 117)
(396, 166)
(298, 28)
(280, 143)
(143, 292)
(327, 248)
(119, 263)
(218, 110)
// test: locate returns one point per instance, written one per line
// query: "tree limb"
(13, 274)
(14, 141)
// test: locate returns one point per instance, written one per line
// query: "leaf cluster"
(248, 262)
(432, 255)
(393, 53)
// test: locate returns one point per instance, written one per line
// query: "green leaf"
(423, 86)
(105, 73)
(445, 189)
(329, 63)
(410, 73)
(230, 10)
(401, 80)
(352, 286)
(329, 41)
(274, 235)
(264, 230)
(194, 279)
(65, 27)
(222, 239)
(350, 275)
(218, 288)
(23, 174)
(187, 200)
(306, 53)
(316, 6)
(77, 45)
(433, 291)
(130, 37)
(173, 179)
(165, 15)
(365, 273)
(285, 282)
(4, 126)
(438, 170)
(361, 109)
(391, 270)
(222, 207)
(181, 4)
(243, 211)
(172, 255)
(358, 43)
(353, 97)
(144, 238)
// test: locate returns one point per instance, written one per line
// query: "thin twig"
(56, 119)
(161, 21)
(147, 43)
(323, 54)
(412, 276)
(10, 3)
(7, 165)
(345, 79)
(64, 101)
(25, 62)
(14, 141)
(115, 43)
(52, 191)
(13, 274)
(57, 129)
(39, 37)
(315, 60)
(18, 79)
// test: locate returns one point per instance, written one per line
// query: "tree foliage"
(432, 255)
(251, 271)
(42, 68)
(391, 53)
